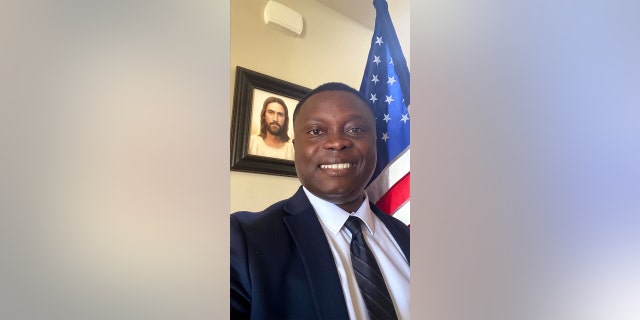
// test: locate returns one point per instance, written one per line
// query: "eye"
(356, 130)
(315, 132)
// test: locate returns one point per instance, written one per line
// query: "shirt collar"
(334, 217)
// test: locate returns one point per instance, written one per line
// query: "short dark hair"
(284, 135)
(330, 86)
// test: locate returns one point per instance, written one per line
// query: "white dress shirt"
(391, 260)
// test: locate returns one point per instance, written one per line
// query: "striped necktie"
(372, 287)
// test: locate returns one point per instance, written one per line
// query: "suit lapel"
(397, 229)
(307, 234)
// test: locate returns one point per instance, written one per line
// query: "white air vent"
(283, 17)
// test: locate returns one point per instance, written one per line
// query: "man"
(293, 260)
(273, 140)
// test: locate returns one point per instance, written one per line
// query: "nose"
(337, 141)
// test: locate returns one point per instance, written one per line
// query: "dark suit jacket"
(282, 266)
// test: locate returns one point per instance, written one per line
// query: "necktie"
(368, 275)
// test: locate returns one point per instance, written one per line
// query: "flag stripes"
(385, 84)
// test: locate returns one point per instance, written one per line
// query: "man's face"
(335, 146)
(274, 118)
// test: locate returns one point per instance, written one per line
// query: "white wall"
(331, 48)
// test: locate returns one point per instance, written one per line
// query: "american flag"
(386, 85)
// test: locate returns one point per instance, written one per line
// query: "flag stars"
(375, 79)
(387, 117)
(376, 60)
(385, 137)
(405, 118)
(379, 41)
(389, 99)
(391, 61)
(392, 80)
(373, 98)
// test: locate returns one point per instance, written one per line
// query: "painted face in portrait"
(274, 118)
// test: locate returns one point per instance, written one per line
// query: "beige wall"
(331, 48)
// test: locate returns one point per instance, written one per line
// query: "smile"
(336, 166)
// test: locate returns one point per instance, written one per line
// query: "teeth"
(336, 166)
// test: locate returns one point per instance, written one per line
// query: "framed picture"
(262, 123)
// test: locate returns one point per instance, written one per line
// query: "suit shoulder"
(389, 219)
(398, 222)
(274, 211)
